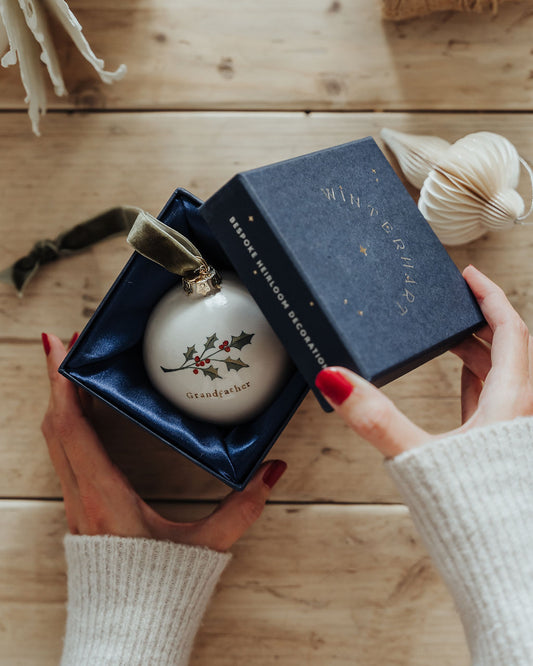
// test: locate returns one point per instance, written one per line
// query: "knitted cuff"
(134, 601)
(471, 498)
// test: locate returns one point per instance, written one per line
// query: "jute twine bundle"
(398, 10)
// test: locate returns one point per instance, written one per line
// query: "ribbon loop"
(164, 245)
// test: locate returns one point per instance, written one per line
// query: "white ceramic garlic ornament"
(466, 188)
(207, 346)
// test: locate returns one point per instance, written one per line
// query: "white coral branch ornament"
(24, 30)
(466, 188)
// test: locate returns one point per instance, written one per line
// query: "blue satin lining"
(107, 360)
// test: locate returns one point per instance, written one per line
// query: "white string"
(530, 172)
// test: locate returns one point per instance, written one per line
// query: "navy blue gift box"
(107, 361)
(341, 262)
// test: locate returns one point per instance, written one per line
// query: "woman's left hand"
(100, 500)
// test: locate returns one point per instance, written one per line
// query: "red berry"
(202, 363)
(195, 371)
(196, 358)
(226, 343)
(208, 360)
(221, 346)
(226, 348)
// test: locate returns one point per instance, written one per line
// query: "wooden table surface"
(334, 572)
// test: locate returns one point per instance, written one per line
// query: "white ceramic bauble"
(214, 357)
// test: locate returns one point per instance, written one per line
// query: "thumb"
(369, 412)
(240, 509)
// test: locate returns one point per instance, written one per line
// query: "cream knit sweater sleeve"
(140, 602)
(471, 498)
(135, 602)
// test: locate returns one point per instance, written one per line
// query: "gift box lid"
(342, 263)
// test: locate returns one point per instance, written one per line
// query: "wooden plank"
(327, 461)
(86, 163)
(311, 584)
(311, 54)
(93, 162)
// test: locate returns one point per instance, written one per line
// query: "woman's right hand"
(496, 379)
(99, 499)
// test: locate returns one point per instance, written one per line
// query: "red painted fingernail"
(46, 343)
(333, 385)
(73, 339)
(274, 472)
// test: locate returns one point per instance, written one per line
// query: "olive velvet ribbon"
(164, 245)
(147, 235)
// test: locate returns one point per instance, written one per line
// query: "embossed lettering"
(408, 295)
(338, 194)
(403, 308)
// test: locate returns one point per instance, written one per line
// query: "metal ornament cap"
(206, 282)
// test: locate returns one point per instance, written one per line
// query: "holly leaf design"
(190, 353)
(238, 341)
(210, 342)
(234, 363)
(211, 371)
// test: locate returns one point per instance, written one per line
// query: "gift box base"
(107, 361)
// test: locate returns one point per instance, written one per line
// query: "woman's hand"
(496, 380)
(100, 500)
